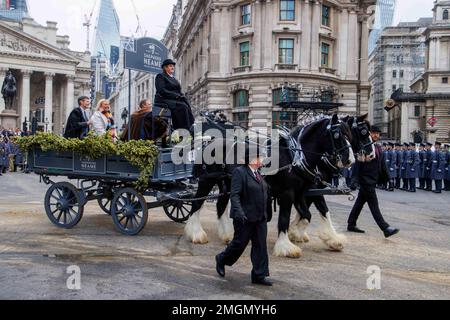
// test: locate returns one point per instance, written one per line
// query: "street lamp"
(46, 124)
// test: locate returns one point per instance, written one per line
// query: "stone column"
(305, 55)
(405, 122)
(438, 53)
(49, 100)
(343, 43)
(3, 72)
(25, 96)
(353, 53)
(257, 46)
(315, 45)
(70, 88)
(364, 62)
(268, 36)
(432, 54)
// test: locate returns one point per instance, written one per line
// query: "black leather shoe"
(262, 282)
(355, 229)
(220, 267)
(389, 232)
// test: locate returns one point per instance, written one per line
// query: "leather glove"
(241, 219)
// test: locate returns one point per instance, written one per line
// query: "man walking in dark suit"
(368, 174)
(78, 122)
(250, 210)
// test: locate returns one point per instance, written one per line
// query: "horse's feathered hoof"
(335, 243)
(285, 248)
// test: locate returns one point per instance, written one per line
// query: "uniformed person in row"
(428, 180)
(412, 167)
(437, 167)
(4, 156)
(447, 167)
(384, 150)
(391, 165)
(422, 166)
(398, 164)
(403, 173)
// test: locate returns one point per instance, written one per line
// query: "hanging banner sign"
(146, 55)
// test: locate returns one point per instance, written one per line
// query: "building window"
(244, 48)
(394, 88)
(325, 55)
(246, 12)
(326, 15)
(284, 95)
(241, 99)
(402, 87)
(394, 73)
(401, 73)
(445, 15)
(286, 52)
(241, 119)
(284, 118)
(287, 10)
(445, 80)
(417, 111)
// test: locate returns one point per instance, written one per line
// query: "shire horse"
(362, 144)
(326, 139)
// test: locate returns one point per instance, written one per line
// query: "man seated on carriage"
(144, 126)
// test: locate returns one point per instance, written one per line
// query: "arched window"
(445, 15)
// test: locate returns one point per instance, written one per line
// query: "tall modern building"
(13, 9)
(107, 30)
(384, 17)
(105, 53)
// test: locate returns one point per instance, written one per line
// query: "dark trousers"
(421, 183)
(256, 232)
(447, 185)
(438, 184)
(412, 184)
(405, 184)
(428, 184)
(397, 183)
(391, 185)
(367, 194)
(348, 182)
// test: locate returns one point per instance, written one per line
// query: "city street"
(161, 264)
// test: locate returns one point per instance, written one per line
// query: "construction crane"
(139, 30)
(88, 24)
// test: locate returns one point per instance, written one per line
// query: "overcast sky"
(154, 15)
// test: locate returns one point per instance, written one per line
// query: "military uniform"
(447, 169)
(428, 180)
(403, 172)
(398, 165)
(438, 168)
(423, 162)
(412, 167)
(391, 165)
(347, 174)
(4, 156)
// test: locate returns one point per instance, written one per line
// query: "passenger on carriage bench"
(142, 124)
(169, 95)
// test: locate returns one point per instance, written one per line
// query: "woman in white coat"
(102, 121)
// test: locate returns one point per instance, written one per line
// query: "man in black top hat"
(368, 173)
(168, 94)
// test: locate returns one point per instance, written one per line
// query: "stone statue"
(9, 90)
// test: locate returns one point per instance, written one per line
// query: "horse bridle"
(356, 126)
(335, 131)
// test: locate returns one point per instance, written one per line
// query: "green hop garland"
(140, 153)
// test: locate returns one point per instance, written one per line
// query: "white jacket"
(99, 123)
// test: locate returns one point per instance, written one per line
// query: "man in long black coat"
(368, 174)
(168, 92)
(250, 210)
(78, 122)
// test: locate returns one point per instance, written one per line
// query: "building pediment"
(15, 42)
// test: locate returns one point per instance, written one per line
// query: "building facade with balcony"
(240, 56)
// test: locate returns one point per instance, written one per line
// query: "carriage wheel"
(63, 205)
(129, 211)
(178, 211)
(105, 201)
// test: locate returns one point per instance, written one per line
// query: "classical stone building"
(430, 90)
(49, 75)
(398, 58)
(237, 56)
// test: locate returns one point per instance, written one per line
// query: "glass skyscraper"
(13, 9)
(107, 31)
(384, 17)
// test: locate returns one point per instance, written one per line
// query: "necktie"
(258, 176)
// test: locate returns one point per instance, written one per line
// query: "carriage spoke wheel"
(105, 201)
(178, 211)
(63, 205)
(129, 211)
